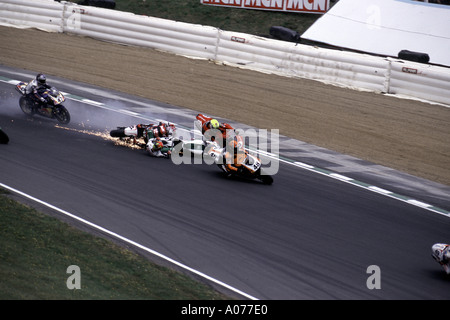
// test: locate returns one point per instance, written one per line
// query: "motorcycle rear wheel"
(266, 179)
(117, 133)
(61, 114)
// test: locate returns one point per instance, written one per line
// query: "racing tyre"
(61, 114)
(117, 133)
(4, 139)
(25, 106)
(282, 33)
(266, 179)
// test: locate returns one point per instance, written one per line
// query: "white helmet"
(437, 251)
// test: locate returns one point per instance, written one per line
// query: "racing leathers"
(158, 148)
(224, 129)
(235, 154)
(37, 91)
(159, 130)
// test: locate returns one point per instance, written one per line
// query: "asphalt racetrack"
(304, 237)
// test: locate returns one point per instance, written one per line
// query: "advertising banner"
(300, 6)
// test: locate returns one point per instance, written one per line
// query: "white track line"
(115, 235)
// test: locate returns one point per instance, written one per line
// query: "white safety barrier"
(45, 15)
(128, 28)
(420, 80)
(289, 59)
(360, 71)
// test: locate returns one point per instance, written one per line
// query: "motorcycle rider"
(211, 123)
(142, 130)
(158, 131)
(157, 148)
(37, 89)
(235, 154)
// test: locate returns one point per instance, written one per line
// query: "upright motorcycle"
(52, 108)
(250, 168)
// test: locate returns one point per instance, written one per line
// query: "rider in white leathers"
(36, 88)
(157, 148)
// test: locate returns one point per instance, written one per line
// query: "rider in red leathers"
(212, 124)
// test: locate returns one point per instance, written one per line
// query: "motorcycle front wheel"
(266, 179)
(61, 114)
(25, 106)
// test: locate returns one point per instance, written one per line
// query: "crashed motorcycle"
(138, 132)
(130, 134)
(144, 136)
(250, 167)
(441, 253)
(52, 108)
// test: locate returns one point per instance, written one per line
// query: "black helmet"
(41, 79)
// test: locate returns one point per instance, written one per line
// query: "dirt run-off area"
(407, 135)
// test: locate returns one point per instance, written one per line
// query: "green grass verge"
(256, 22)
(36, 250)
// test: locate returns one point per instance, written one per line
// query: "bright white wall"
(386, 27)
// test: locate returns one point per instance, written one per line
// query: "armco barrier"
(288, 59)
(127, 28)
(44, 15)
(420, 80)
(359, 71)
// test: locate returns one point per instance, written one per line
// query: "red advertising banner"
(303, 6)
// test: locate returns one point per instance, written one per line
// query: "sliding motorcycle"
(143, 132)
(52, 107)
